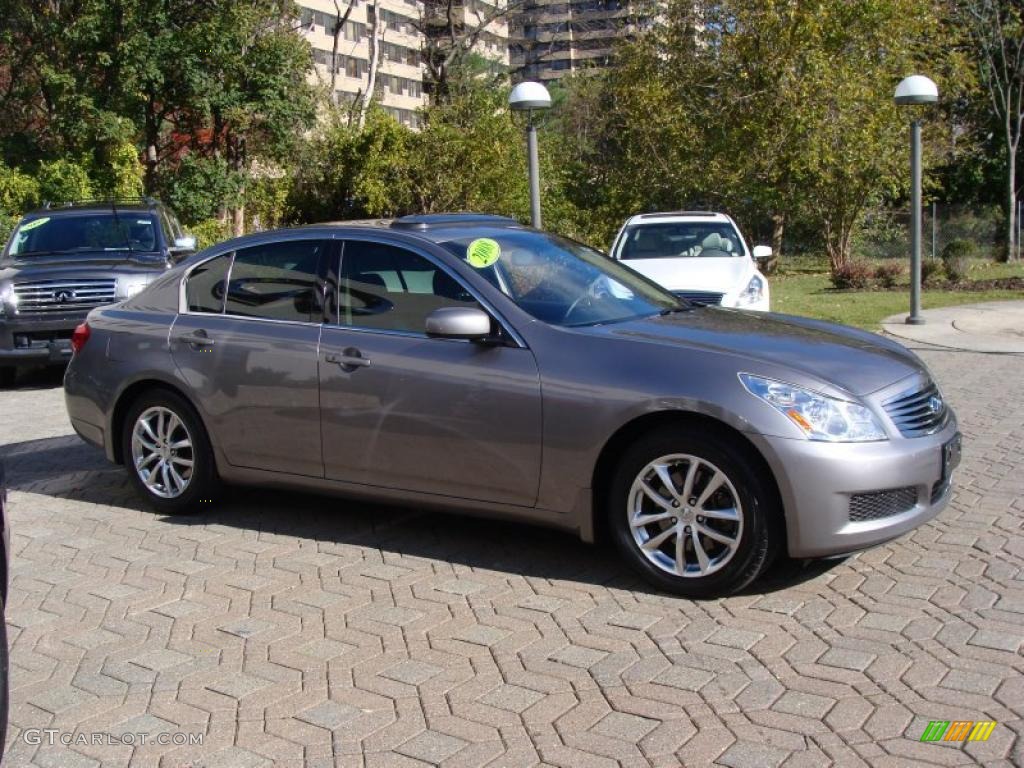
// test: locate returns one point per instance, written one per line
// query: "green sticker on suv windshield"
(483, 252)
(34, 223)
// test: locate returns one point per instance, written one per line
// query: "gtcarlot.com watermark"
(53, 736)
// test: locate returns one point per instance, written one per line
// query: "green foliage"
(18, 191)
(209, 232)
(62, 181)
(201, 187)
(959, 249)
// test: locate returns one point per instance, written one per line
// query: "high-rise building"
(400, 45)
(399, 77)
(551, 38)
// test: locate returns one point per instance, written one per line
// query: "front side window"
(204, 291)
(390, 288)
(560, 281)
(276, 281)
(711, 239)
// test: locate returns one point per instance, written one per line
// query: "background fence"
(886, 233)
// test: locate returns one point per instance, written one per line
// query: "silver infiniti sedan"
(469, 363)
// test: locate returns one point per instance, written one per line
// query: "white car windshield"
(560, 281)
(675, 240)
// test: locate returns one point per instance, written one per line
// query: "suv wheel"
(692, 513)
(168, 453)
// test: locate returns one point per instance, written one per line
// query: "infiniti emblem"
(935, 404)
(63, 297)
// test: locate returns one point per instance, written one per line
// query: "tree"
(996, 28)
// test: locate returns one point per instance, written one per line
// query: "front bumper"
(37, 340)
(818, 480)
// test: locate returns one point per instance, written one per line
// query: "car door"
(247, 347)
(401, 410)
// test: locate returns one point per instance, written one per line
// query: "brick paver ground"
(297, 630)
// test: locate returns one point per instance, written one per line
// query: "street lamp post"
(527, 97)
(916, 89)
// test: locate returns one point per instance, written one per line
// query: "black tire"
(8, 374)
(203, 485)
(760, 534)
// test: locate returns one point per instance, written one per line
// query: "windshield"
(560, 281)
(93, 232)
(707, 239)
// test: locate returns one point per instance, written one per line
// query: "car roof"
(669, 217)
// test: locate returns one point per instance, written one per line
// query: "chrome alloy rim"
(162, 452)
(685, 515)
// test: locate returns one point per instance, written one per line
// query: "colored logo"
(958, 730)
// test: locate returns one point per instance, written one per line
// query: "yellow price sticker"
(33, 224)
(483, 252)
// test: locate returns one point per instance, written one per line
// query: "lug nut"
(686, 529)
(700, 519)
(693, 501)
(675, 503)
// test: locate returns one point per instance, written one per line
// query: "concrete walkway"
(996, 326)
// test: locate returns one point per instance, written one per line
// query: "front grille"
(64, 295)
(878, 504)
(700, 297)
(919, 412)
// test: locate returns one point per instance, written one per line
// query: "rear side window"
(204, 291)
(389, 288)
(276, 281)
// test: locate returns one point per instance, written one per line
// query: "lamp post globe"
(912, 91)
(527, 97)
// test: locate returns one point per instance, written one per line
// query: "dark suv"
(61, 261)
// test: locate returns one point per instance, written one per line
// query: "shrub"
(955, 266)
(960, 248)
(930, 269)
(853, 274)
(209, 232)
(888, 272)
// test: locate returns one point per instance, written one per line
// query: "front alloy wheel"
(694, 511)
(685, 515)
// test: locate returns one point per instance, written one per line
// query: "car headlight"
(8, 299)
(753, 293)
(818, 416)
(129, 286)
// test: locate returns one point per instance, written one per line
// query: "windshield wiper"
(676, 310)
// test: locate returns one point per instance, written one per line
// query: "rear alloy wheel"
(168, 454)
(693, 513)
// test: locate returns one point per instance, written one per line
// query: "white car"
(700, 256)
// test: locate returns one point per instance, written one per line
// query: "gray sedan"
(472, 364)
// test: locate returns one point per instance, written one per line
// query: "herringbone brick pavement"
(294, 630)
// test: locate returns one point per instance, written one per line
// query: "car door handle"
(197, 340)
(350, 359)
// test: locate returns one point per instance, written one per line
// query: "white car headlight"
(753, 293)
(818, 416)
(8, 299)
(129, 286)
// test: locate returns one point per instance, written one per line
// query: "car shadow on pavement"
(66, 467)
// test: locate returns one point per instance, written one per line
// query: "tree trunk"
(339, 27)
(1011, 204)
(771, 265)
(371, 76)
(238, 220)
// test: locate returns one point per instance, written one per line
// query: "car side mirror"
(762, 252)
(182, 247)
(459, 323)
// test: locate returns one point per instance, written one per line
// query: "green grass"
(803, 288)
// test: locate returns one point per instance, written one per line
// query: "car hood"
(68, 265)
(856, 361)
(723, 275)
